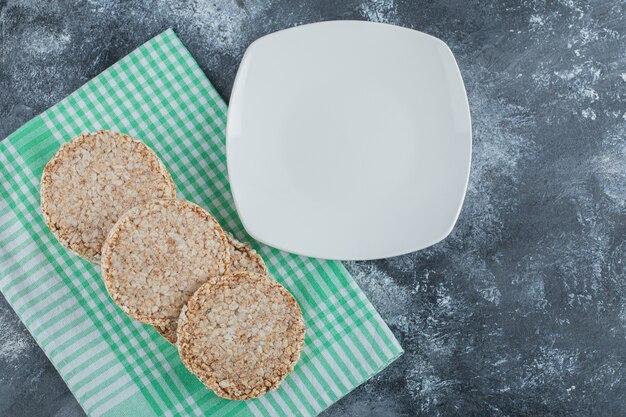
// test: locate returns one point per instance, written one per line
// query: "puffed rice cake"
(168, 331)
(243, 258)
(92, 180)
(241, 335)
(158, 254)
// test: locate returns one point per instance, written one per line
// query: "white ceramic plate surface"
(348, 140)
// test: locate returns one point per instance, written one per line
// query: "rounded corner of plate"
(433, 242)
(254, 45)
(448, 231)
(251, 232)
(453, 220)
(441, 43)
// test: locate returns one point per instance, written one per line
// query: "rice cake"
(243, 258)
(158, 254)
(168, 331)
(241, 335)
(92, 180)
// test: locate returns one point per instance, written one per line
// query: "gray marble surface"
(521, 311)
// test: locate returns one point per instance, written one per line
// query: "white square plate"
(348, 140)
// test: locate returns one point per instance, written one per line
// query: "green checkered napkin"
(116, 366)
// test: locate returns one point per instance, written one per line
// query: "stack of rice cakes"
(168, 263)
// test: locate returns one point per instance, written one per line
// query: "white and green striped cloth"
(116, 366)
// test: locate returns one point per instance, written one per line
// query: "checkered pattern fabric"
(116, 366)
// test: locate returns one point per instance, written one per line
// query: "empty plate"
(348, 140)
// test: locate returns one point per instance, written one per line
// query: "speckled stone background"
(521, 311)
